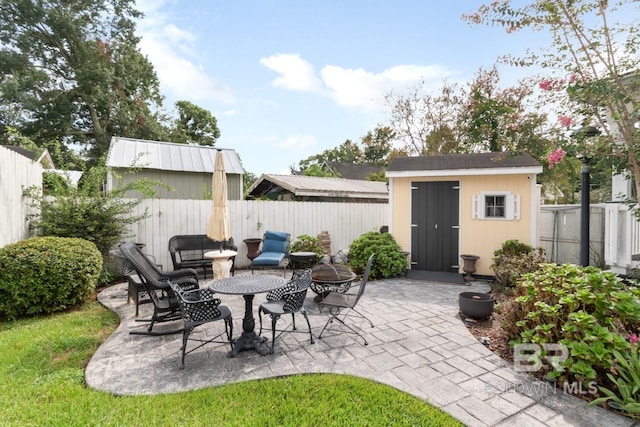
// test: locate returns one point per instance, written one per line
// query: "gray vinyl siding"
(187, 185)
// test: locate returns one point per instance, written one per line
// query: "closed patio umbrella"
(219, 228)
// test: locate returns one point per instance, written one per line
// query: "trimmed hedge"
(47, 274)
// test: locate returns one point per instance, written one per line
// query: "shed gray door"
(434, 226)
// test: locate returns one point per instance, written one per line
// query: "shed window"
(498, 205)
(494, 206)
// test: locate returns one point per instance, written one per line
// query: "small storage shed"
(186, 168)
(446, 205)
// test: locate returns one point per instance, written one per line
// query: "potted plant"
(305, 246)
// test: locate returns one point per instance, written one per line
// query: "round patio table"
(248, 286)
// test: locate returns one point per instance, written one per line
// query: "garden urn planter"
(253, 247)
(476, 305)
(469, 266)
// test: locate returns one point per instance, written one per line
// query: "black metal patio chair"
(199, 307)
(165, 303)
(285, 300)
(342, 306)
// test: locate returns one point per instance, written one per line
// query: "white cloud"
(360, 89)
(352, 88)
(169, 49)
(295, 72)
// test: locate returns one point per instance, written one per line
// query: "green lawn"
(42, 379)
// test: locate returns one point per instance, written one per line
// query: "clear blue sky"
(287, 79)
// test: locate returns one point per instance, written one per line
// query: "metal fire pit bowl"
(326, 278)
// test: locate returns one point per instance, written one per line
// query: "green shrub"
(47, 274)
(389, 262)
(513, 260)
(89, 212)
(589, 311)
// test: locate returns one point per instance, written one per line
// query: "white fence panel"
(622, 246)
(17, 173)
(251, 218)
(560, 233)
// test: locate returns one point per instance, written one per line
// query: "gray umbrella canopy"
(219, 228)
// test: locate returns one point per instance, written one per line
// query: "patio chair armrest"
(185, 283)
(199, 296)
(184, 272)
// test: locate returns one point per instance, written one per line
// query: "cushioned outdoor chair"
(285, 300)
(199, 307)
(342, 306)
(273, 252)
(165, 303)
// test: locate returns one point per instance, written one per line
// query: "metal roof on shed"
(302, 185)
(145, 154)
(463, 164)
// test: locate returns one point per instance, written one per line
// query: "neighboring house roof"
(44, 158)
(463, 164)
(352, 170)
(72, 176)
(145, 154)
(316, 186)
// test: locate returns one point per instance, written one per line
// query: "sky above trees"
(287, 79)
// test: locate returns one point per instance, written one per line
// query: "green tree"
(593, 69)
(316, 170)
(478, 116)
(377, 145)
(247, 181)
(424, 123)
(348, 152)
(70, 71)
(194, 125)
(503, 119)
(375, 148)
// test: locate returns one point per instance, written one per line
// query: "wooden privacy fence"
(17, 173)
(250, 218)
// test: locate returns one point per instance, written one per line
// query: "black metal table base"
(249, 341)
(248, 286)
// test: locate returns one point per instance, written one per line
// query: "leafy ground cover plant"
(389, 262)
(589, 311)
(626, 397)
